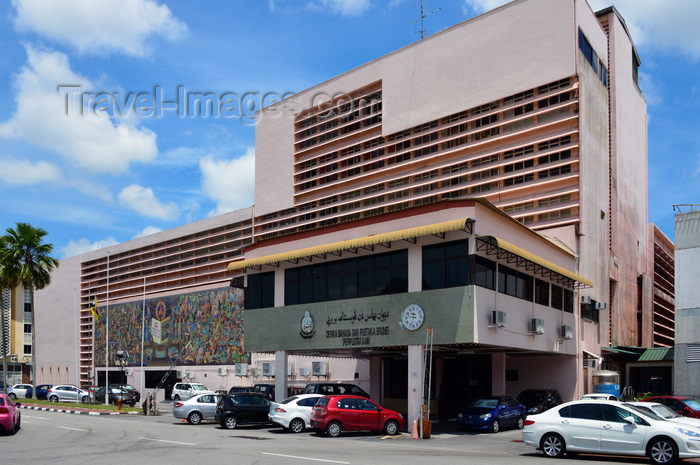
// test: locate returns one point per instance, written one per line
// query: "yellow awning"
(367, 241)
(508, 247)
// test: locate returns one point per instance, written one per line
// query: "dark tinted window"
(587, 411)
(347, 404)
(445, 265)
(364, 404)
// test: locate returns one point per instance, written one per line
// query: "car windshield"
(288, 400)
(199, 387)
(644, 412)
(531, 397)
(485, 403)
(665, 411)
(693, 403)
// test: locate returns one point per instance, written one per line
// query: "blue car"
(492, 414)
(41, 390)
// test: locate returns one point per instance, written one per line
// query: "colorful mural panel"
(203, 328)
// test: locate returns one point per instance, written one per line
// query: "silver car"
(294, 413)
(67, 393)
(196, 409)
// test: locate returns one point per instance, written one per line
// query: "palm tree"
(26, 262)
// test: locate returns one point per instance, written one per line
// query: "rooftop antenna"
(422, 18)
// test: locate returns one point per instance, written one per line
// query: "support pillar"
(280, 375)
(498, 374)
(415, 384)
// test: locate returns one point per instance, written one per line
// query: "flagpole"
(77, 335)
(143, 335)
(107, 338)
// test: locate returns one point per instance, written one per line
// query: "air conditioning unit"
(319, 368)
(240, 369)
(566, 332)
(268, 369)
(589, 363)
(304, 371)
(536, 326)
(498, 318)
(190, 374)
(255, 371)
(129, 372)
(601, 305)
(586, 299)
(223, 371)
(181, 374)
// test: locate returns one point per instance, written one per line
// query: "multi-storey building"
(379, 199)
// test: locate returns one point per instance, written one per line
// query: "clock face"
(412, 317)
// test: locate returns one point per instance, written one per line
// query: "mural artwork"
(204, 328)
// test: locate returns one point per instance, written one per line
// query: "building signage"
(352, 329)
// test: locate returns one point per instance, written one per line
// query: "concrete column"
(415, 384)
(415, 269)
(280, 375)
(498, 374)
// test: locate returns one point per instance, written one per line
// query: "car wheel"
(552, 445)
(12, 396)
(53, 398)
(333, 429)
(391, 428)
(84, 399)
(296, 425)
(495, 426)
(194, 418)
(176, 397)
(230, 422)
(663, 451)
(521, 423)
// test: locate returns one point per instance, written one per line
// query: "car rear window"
(322, 402)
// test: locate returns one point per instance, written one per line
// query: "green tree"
(26, 262)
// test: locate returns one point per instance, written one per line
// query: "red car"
(10, 417)
(336, 413)
(683, 405)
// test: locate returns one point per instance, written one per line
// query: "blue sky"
(107, 176)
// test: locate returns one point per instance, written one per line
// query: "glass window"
(541, 292)
(557, 297)
(445, 265)
(260, 292)
(587, 411)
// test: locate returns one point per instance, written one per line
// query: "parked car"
(90, 389)
(492, 414)
(10, 416)
(599, 396)
(242, 408)
(187, 390)
(268, 390)
(67, 393)
(336, 413)
(539, 400)
(41, 390)
(115, 395)
(683, 405)
(335, 388)
(20, 390)
(612, 428)
(196, 409)
(130, 388)
(665, 412)
(236, 389)
(294, 413)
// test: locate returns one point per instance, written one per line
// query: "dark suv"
(242, 408)
(335, 388)
(539, 400)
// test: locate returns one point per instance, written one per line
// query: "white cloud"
(15, 172)
(476, 7)
(230, 183)
(147, 231)
(342, 7)
(144, 202)
(101, 27)
(97, 143)
(84, 246)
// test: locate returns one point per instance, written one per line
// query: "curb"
(76, 412)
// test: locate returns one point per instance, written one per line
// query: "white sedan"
(294, 413)
(665, 412)
(609, 427)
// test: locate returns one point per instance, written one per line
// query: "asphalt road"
(51, 437)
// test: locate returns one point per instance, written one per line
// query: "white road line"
(304, 458)
(33, 417)
(171, 442)
(74, 429)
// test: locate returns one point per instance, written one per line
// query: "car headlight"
(688, 432)
(460, 415)
(485, 416)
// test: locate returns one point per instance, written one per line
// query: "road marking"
(303, 458)
(74, 429)
(33, 417)
(171, 442)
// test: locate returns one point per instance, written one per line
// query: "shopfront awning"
(366, 242)
(657, 354)
(521, 257)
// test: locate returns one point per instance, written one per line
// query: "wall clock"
(412, 317)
